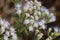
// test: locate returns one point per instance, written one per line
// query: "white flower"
(43, 21)
(5, 24)
(39, 13)
(32, 17)
(14, 37)
(6, 37)
(35, 14)
(7, 33)
(13, 33)
(43, 26)
(40, 35)
(30, 9)
(51, 14)
(39, 4)
(36, 17)
(27, 5)
(12, 29)
(34, 7)
(56, 29)
(43, 9)
(3, 30)
(53, 18)
(18, 5)
(36, 24)
(7, 30)
(38, 8)
(26, 21)
(40, 23)
(47, 12)
(18, 12)
(32, 21)
(31, 28)
(27, 14)
(1, 21)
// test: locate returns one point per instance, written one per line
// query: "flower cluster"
(35, 16)
(7, 31)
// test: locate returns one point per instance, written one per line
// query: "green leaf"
(16, 1)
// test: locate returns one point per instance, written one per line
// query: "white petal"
(26, 21)
(36, 25)
(53, 19)
(18, 5)
(5, 37)
(27, 14)
(7, 33)
(31, 28)
(43, 26)
(18, 12)
(56, 29)
(43, 21)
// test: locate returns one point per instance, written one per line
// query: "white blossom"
(3, 30)
(39, 13)
(34, 7)
(7, 29)
(14, 37)
(18, 11)
(40, 35)
(6, 37)
(27, 6)
(18, 5)
(32, 21)
(7, 33)
(27, 14)
(32, 17)
(31, 28)
(36, 24)
(43, 21)
(12, 29)
(43, 26)
(40, 23)
(36, 17)
(53, 18)
(56, 29)
(43, 9)
(27, 21)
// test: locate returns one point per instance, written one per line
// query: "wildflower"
(27, 14)
(43, 26)
(27, 6)
(32, 17)
(6, 37)
(32, 21)
(43, 9)
(56, 29)
(19, 12)
(40, 35)
(53, 18)
(7, 29)
(43, 21)
(18, 5)
(36, 24)
(31, 28)
(36, 17)
(27, 21)
(7, 33)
